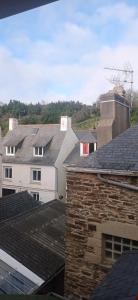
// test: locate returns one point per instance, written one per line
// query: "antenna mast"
(124, 76)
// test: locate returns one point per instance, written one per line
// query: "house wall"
(95, 208)
(21, 180)
(68, 144)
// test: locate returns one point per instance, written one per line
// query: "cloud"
(60, 51)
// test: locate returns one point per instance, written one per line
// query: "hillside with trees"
(83, 116)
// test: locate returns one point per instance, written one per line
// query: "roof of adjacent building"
(36, 239)
(14, 204)
(8, 8)
(84, 136)
(25, 137)
(119, 154)
(121, 283)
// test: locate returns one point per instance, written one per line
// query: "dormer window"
(87, 148)
(38, 151)
(10, 150)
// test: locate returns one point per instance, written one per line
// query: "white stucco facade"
(22, 180)
(52, 184)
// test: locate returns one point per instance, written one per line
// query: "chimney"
(65, 123)
(13, 123)
(114, 110)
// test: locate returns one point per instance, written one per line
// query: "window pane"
(108, 254)
(108, 245)
(6, 172)
(126, 241)
(34, 175)
(135, 243)
(40, 150)
(10, 172)
(117, 239)
(91, 147)
(117, 247)
(108, 237)
(126, 248)
(39, 175)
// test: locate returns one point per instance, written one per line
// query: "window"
(114, 246)
(10, 150)
(7, 172)
(35, 195)
(38, 151)
(87, 148)
(36, 175)
(91, 147)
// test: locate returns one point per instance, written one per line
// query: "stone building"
(114, 111)
(102, 212)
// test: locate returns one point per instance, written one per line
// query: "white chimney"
(13, 123)
(65, 123)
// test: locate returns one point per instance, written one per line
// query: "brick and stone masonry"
(95, 208)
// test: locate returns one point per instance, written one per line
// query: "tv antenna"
(123, 76)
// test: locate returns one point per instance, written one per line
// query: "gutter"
(101, 171)
(116, 183)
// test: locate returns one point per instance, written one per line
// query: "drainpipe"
(116, 183)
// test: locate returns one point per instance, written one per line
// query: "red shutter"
(85, 149)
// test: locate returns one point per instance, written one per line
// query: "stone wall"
(94, 208)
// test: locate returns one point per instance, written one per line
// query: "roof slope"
(84, 136)
(122, 281)
(119, 154)
(8, 8)
(37, 239)
(14, 204)
(27, 136)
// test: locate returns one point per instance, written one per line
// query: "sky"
(59, 51)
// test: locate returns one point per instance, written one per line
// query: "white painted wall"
(21, 180)
(68, 144)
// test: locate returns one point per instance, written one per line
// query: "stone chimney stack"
(114, 110)
(13, 123)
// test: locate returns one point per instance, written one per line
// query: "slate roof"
(119, 154)
(121, 283)
(29, 135)
(14, 204)
(36, 239)
(84, 136)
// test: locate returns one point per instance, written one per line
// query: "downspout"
(116, 183)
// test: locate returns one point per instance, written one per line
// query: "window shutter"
(85, 149)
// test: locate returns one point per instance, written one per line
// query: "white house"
(33, 157)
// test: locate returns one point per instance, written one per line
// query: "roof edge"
(101, 171)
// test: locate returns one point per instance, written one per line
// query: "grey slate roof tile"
(119, 154)
(84, 136)
(122, 281)
(14, 204)
(36, 239)
(46, 134)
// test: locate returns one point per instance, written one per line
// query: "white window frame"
(10, 150)
(35, 195)
(4, 170)
(36, 151)
(112, 242)
(37, 176)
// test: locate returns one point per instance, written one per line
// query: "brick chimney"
(114, 110)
